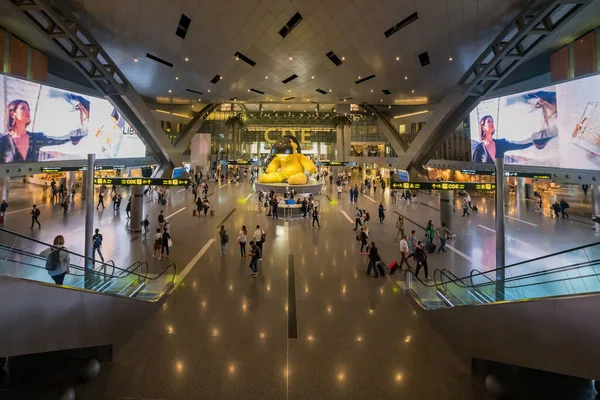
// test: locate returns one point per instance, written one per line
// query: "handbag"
(170, 243)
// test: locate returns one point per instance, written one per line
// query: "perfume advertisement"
(556, 126)
(43, 123)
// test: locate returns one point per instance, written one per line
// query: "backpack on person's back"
(36, 212)
(53, 260)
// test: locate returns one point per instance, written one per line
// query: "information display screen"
(141, 181)
(336, 163)
(43, 123)
(555, 126)
(444, 185)
(239, 162)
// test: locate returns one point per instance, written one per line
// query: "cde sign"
(303, 135)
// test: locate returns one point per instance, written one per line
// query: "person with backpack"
(556, 208)
(381, 213)
(315, 215)
(145, 224)
(366, 217)
(100, 201)
(465, 207)
(374, 259)
(97, 244)
(205, 205)
(161, 219)
(363, 236)
(224, 238)
(412, 244)
(563, 206)
(35, 214)
(57, 260)
(255, 255)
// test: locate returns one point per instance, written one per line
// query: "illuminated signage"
(303, 135)
(84, 168)
(141, 181)
(444, 185)
(533, 175)
(239, 162)
(336, 163)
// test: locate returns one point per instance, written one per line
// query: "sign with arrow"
(141, 181)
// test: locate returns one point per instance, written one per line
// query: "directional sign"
(444, 185)
(336, 163)
(239, 162)
(141, 181)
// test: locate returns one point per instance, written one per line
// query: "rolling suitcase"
(380, 267)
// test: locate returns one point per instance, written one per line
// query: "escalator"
(542, 315)
(96, 306)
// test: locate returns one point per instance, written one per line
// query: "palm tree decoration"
(341, 122)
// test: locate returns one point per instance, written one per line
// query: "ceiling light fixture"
(199, 99)
(412, 91)
(135, 60)
(329, 90)
(289, 90)
(312, 77)
(266, 77)
(343, 58)
(176, 78)
(208, 90)
(170, 90)
(371, 90)
(397, 58)
(220, 77)
(405, 77)
(359, 77)
(237, 59)
(186, 59)
(450, 58)
(290, 58)
(389, 106)
(411, 114)
(381, 100)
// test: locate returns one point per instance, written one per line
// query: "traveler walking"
(315, 215)
(429, 233)
(242, 238)
(403, 256)
(224, 238)
(468, 198)
(400, 227)
(145, 224)
(255, 255)
(444, 236)
(128, 208)
(381, 213)
(161, 219)
(563, 206)
(259, 237)
(374, 258)
(97, 244)
(357, 218)
(35, 214)
(166, 243)
(100, 201)
(465, 207)
(412, 244)
(57, 260)
(3, 208)
(157, 244)
(274, 206)
(339, 191)
(363, 236)
(421, 259)
(556, 208)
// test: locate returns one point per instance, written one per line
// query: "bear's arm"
(273, 165)
(307, 164)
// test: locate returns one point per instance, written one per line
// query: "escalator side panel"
(556, 334)
(37, 317)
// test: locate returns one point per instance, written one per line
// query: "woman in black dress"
(489, 148)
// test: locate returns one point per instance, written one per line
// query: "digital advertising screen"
(556, 126)
(43, 123)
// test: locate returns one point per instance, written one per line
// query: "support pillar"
(84, 175)
(446, 208)
(137, 208)
(500, 200)
(70, 179)
(596, 205)
(89, 215)
(520, 189)
(5, 183)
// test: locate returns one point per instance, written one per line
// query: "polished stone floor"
(312, 325)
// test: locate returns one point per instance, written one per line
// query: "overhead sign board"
(239, 162)
(533, 175)
(141, 181)
(336, 163)
(82, 168)
(444, 185)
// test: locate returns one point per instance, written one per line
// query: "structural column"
(89, 213)
(84, 175)
(70, 179)
(500, 199)
(520, 189)
(446, 208)
(137, 208)
(596, 204)
(5, 183)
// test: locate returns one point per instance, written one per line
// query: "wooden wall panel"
(559, 65)
(39, 66)
(2, 48)
(19, 54)
(584, 54)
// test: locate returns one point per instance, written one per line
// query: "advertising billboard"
(43, 123)
(555, 126)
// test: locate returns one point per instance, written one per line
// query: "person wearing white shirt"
(469, 201)
(339, 190)
(403, 254)
(258, 238)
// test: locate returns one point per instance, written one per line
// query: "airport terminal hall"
(299, 199)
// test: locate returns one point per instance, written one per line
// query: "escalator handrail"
(59, 248)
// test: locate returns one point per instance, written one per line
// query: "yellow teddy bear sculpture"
(288, 163)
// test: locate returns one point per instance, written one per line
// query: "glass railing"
(570, 272)
(20, 258)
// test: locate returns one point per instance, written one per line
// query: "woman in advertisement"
(489, 148)
(20, 145)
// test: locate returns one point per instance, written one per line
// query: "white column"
(200, 152)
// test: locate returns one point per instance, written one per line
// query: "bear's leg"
(272, 177)
(298, 179)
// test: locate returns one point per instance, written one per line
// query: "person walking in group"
(255, 255)
(35, 214)
(339, 191)
(242, 238)
(444, 236)
(364, 235)
(161, 219)
(97, 244)
(3, 208)
(403, 256)
(429, 233)
(400, 227)
(145, 225)
(157, 244)
(259, 237)
(465, 207)
(357, 218)
(412, 244)
(421, 259)
(57, 260)
(563, 206)
(374, 258)
(224, 238)
(381, 213)
(315, 215)
(166, 243)
(100, 201)
(468, 199)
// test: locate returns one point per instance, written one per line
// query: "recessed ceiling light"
(371, 90)
(170, 90)
(176, 78)
(381, 100)
(135, 60)
(270, 99)
(412, 91)
(199, 99)
(359, 77)
(248, 89)
(389, 106)
(450, 58)
(237, 59)
(289, 106)
(343, 58)
(312, 77)
(303, 110)
(220, 77)
(208, 90)
(289, 90)
(405, 76)
(186, 59)
(397, 58)
(329, 90)
(290, 58)
(266, 77)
